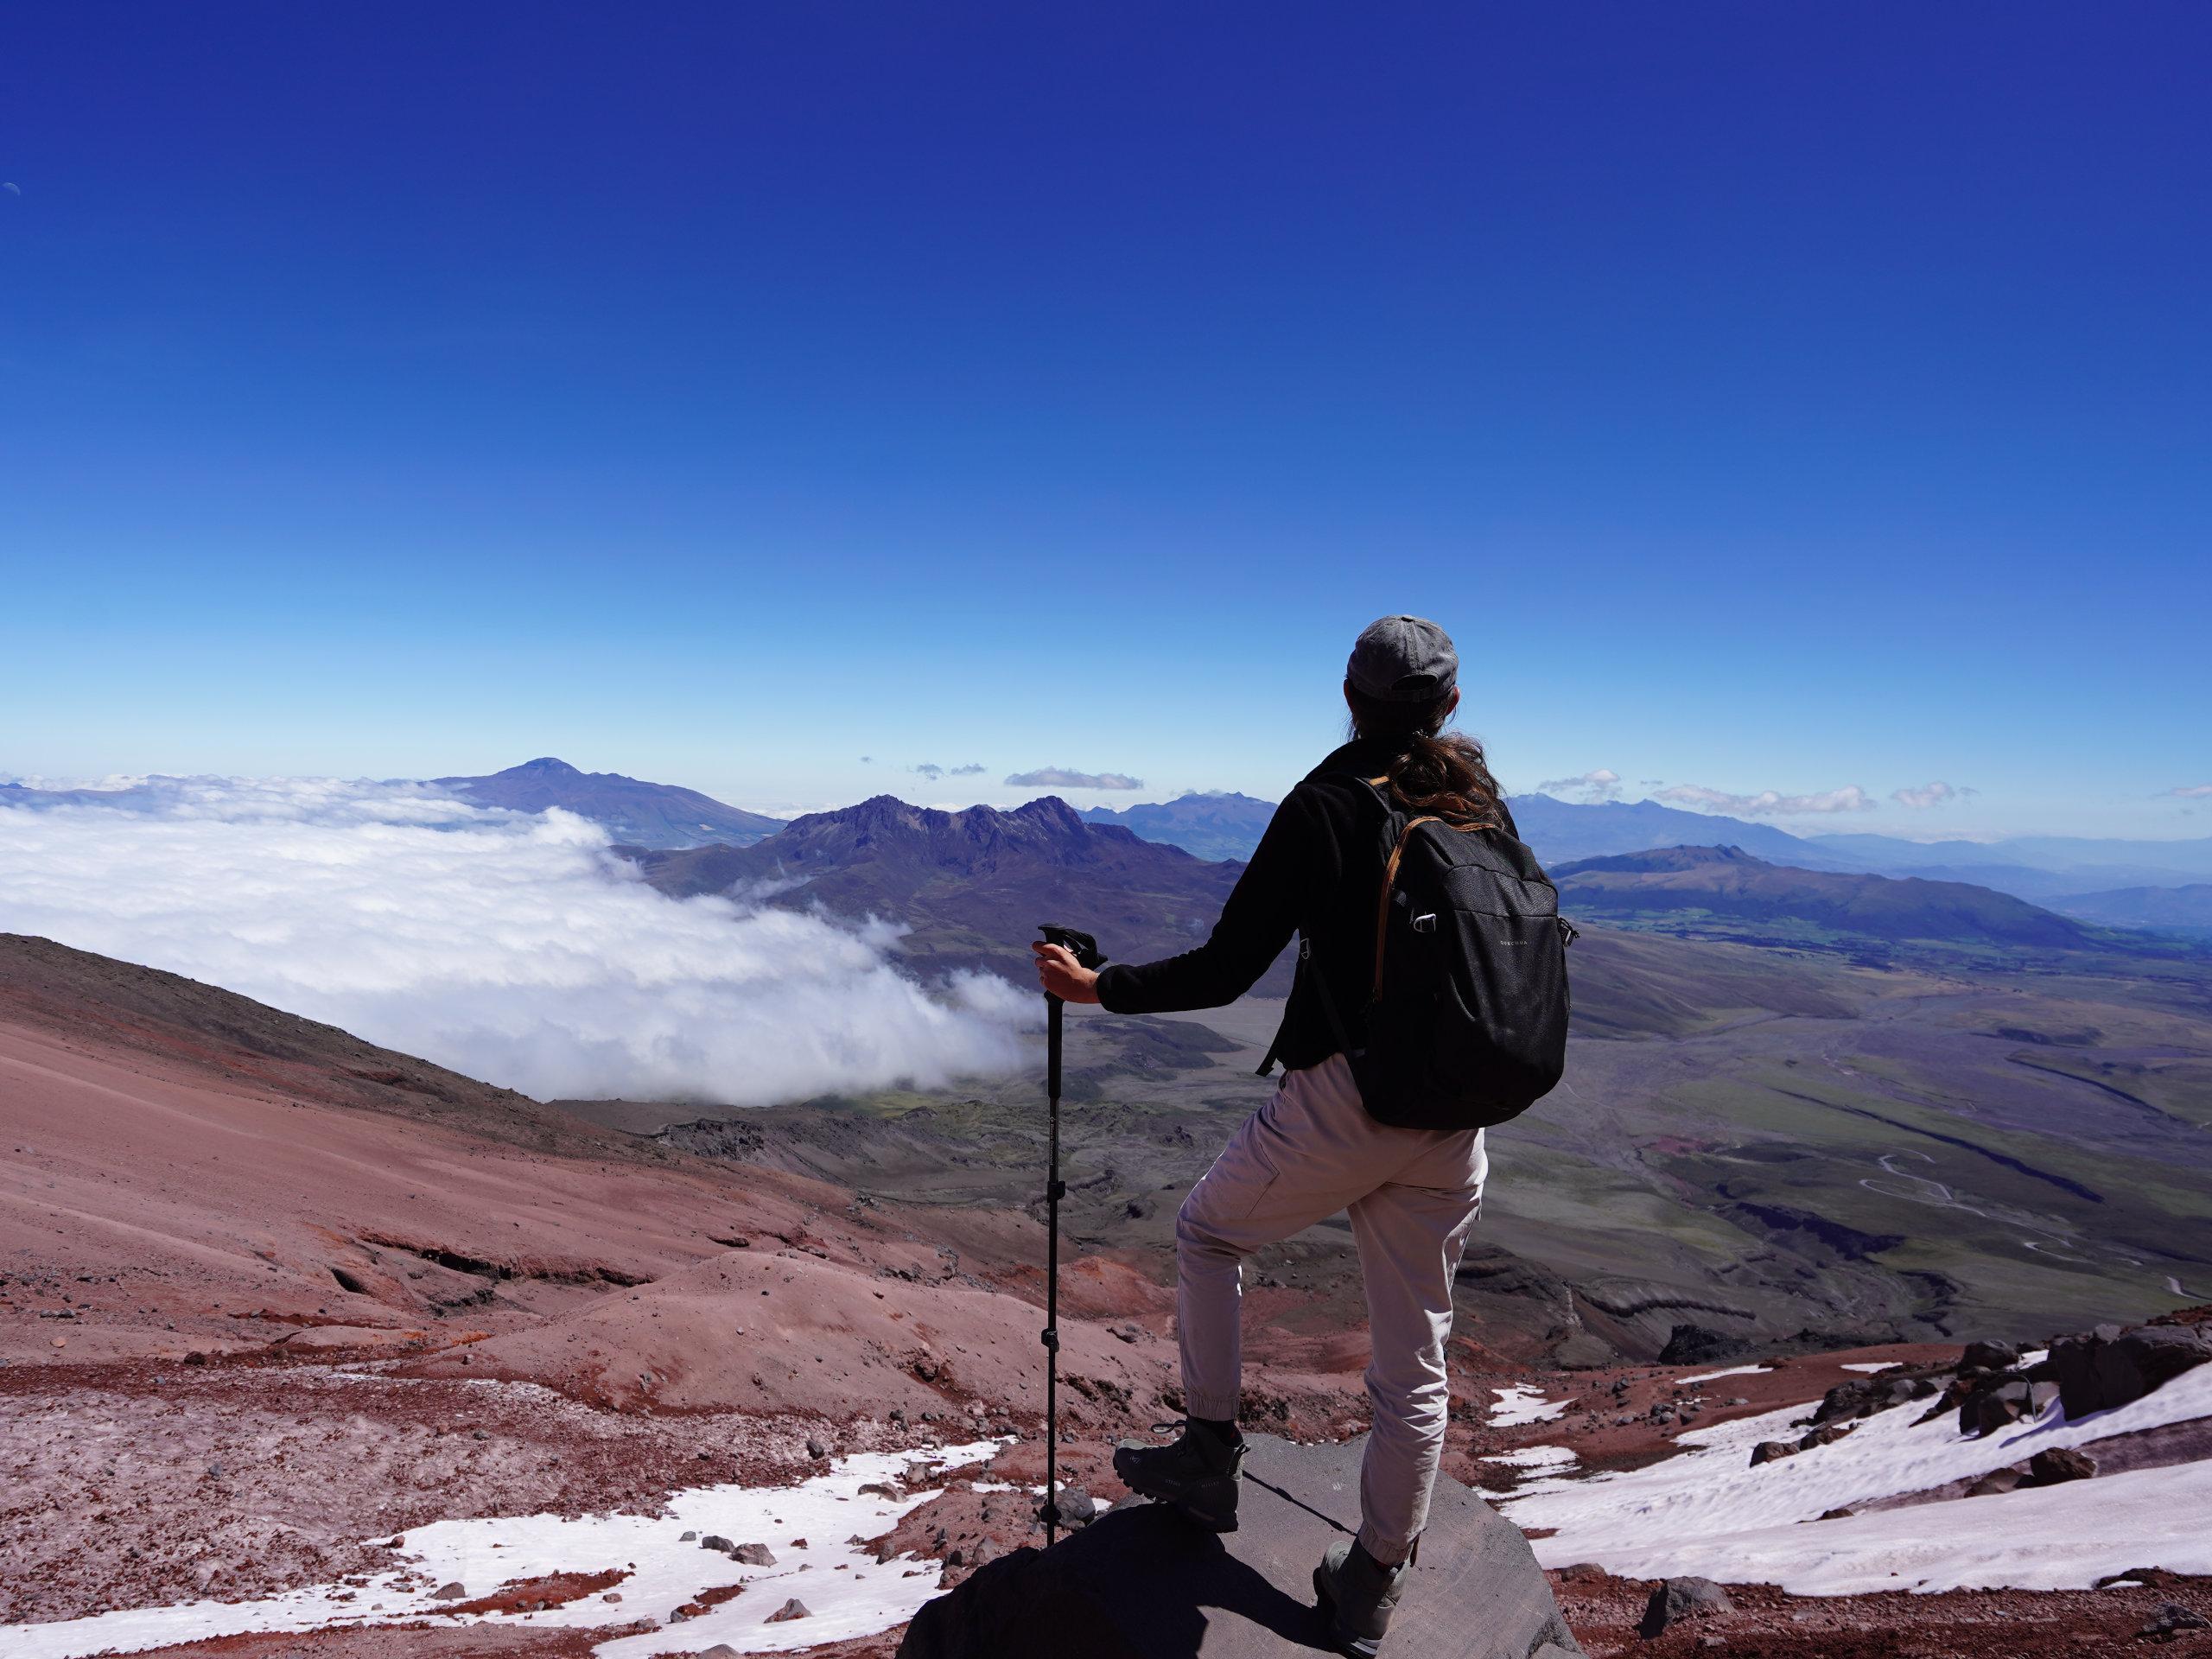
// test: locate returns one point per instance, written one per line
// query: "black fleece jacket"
(1316, 872)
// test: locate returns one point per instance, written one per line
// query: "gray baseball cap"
(1402, 659)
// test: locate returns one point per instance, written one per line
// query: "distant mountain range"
(974, 885)
(639, 813)
(2185, 911)
(1216, 825)
(1689, 885)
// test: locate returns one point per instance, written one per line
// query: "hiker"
(1314, 1150)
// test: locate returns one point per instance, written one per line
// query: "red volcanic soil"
(269, 1295)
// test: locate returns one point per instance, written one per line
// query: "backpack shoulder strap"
(1382, 903)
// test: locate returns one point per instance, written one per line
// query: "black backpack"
(1466, 1022)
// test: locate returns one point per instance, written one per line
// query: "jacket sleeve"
(1256, 924)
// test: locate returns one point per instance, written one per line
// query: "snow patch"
(1522, 1404)
(1737, 1371)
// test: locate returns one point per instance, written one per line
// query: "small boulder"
(1681, 1598)
(816, 1450)
(688, 1538)
(453, 1592)
(2172, 1618)
(1077, 1507)
(1990, 1356)
(713, 1540)
(1767, 1451)
(791, 1610)
(2061, 1463)
(753, 1555)
(1997, 1481)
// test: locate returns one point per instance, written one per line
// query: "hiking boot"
(1199, 1474)
(1357, 1594)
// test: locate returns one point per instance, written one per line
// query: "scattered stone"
(455, 1592)
(1837, 1515)
(1767, 1451)
(688, 1537)
(2061, 1463)
(1997, 1481)
(478, 1435)
(793, 1609)
(612, 1595)
(1989, 1356)
(753, 1555)
(713, 1540)
(720, 1650)
(1681, 1598)
(814, 1449)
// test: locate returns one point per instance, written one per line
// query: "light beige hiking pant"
(1412, 1195)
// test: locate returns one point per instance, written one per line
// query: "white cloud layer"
(1849, 798)
(1930, 795)
(1591, 787)
(510, 947)
(2193, 791)
(1060, 778)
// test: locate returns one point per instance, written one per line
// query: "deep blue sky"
(1766, 397)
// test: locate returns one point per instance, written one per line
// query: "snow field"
(1708, 1512)
(846, 1593)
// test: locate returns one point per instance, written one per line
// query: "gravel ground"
(1603, 1610)
(144, 1485)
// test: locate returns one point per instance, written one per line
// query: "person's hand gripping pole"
(1067, 967)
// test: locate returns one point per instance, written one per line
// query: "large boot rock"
(1142, 1582)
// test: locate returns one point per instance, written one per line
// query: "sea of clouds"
(512, 947)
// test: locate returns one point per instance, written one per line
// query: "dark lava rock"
(816, 1449)
(1693, 1344)
(1767, 1451)
(2061, 1463)
(793, 1609)
(2174, 1617)
(453, 1592)
(753, 1555)
(1990, 1356)
(1681, 1598)
(1142, 1582)
(2111, 1368)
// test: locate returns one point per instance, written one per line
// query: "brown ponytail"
(1440, 774)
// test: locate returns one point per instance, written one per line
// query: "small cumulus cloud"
(975, 770)
(1930, 795)
(1060, 778)
(928, 771)
(933, 771)
(2192, 791)
(510, 946)
(1849, 798)
(1603, 784)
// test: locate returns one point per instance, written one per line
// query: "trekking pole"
(1084, 948)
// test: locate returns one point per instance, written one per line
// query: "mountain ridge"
(973, 885)
(1727, 882)
(640, 813)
